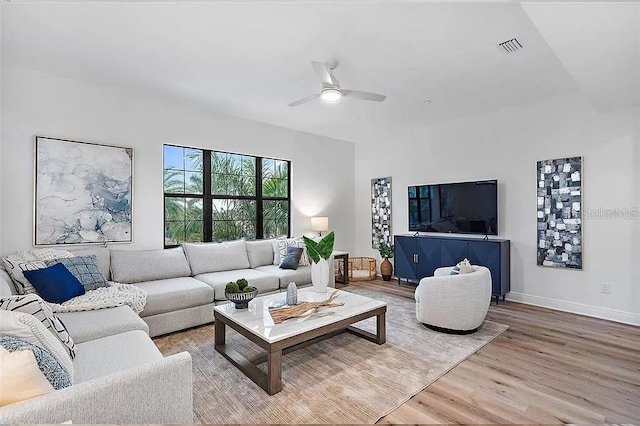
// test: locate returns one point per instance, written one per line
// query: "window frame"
(419, 201)
(207, 197)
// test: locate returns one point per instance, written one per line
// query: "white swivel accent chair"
(454, 303)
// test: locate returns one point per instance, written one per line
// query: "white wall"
(40, 104)
(505, 145)
(0, 121)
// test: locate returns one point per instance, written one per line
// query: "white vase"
(320, 275)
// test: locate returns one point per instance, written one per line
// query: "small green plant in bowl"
(240, 293)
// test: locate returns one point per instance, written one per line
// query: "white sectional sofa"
(183, 283)
(120, 375)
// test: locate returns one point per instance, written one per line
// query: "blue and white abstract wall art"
(83, 192)
(559, 186)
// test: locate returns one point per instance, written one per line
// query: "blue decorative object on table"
(292, 294)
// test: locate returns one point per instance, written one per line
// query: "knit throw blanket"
(115, 295)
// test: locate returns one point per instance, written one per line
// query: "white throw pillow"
(280, 250)
(15, 265)
(30, 260)
(20, 377)
(46, 254)
(33, 304)
(464, 267)
(28, 328)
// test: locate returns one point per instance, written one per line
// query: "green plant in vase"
(386, 268)
(320, 253)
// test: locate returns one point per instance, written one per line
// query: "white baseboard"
(576, 308)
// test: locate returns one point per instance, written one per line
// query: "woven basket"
(362, 269)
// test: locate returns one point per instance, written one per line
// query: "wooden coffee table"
(256, 324)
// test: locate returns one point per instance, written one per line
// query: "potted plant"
(320, 252)
(386, 268)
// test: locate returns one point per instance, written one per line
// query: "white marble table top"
(257, 319)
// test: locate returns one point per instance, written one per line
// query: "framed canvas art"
(83, 192)
(559, 187)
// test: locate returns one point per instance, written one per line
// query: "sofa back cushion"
(260, 252)
(216, 257)
(134, 266)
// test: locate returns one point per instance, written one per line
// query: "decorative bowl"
(241, 299)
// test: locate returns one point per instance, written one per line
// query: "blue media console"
(417, 257)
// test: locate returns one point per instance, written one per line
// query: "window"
(219, 196)
(419, 205)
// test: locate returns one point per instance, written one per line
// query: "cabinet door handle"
(417, 258)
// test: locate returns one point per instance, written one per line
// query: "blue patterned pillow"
(50, 367)
(85, 269)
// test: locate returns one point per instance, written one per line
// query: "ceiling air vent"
(511, 46)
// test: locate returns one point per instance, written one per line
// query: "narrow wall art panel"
(381, 211)
(560, 213)
(83, 192)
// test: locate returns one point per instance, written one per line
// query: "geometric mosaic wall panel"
(381, 212)
(559, 214)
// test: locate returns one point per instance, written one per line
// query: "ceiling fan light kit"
(331, 95)
(331, 91)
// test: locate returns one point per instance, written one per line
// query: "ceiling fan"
(330, 91)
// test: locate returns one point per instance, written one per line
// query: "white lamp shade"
(320, 223)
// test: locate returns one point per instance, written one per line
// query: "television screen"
(461, 208)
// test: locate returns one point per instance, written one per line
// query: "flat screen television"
(460, 208)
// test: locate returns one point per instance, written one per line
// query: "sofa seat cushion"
(91, 325)
(218, 280)
(111, 354)
(174, 294)
(300, 276)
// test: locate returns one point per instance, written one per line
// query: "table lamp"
(320, 224)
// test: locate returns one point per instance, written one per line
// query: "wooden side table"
(343, 256)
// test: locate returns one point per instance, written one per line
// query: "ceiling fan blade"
(305, 100)
(366, 96)
(324, 73)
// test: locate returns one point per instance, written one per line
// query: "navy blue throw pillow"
(292, 258)
(55, 284)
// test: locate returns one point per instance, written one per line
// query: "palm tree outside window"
(219, 196)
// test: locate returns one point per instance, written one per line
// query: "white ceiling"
(252, 59)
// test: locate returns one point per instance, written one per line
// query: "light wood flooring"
(548, 367)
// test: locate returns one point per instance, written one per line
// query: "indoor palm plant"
(386, 268)
(320, 252)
